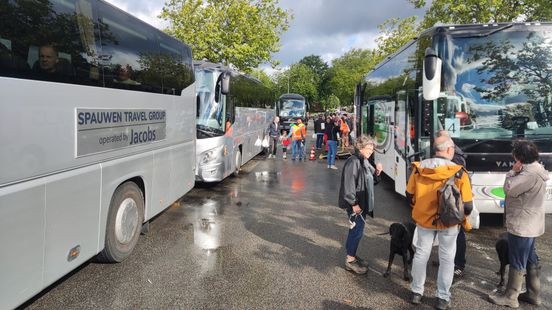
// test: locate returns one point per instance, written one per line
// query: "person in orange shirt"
(427, 178)
(298, 133)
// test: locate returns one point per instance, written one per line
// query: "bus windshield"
(497, 86)
(210, 113)
(292, 107)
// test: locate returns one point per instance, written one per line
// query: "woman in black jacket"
(356, 196)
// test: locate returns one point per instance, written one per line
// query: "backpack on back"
(451, 206)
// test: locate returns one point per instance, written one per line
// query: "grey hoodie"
(524, 205)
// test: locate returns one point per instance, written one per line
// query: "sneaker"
(355, 267)
(333, 167)
(328, 166)
(416, 299)
(442, 304)
(361, 262)
(458, 273)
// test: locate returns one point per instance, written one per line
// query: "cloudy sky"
(328, 28)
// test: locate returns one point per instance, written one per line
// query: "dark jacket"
(331, 131)
(273, 130)
(318, 125)
(357, 184)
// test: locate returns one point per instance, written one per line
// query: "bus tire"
(238, 163)
(124, 223)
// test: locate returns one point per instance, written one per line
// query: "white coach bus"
(234, 111)
(97, 135)
(487, 85)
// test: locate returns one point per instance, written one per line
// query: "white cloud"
(328, 28)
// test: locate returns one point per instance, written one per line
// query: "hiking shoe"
(442, 304)
(416, 299)
(458, 273)
(355, 267)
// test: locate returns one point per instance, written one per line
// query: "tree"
(239, 32)
(300, 79)
(320, 69)
(488, 11)
(394, 33)
(348, 70)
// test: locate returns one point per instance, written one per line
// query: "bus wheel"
(238, 164)
(124, 222)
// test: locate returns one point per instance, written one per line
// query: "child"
(284, 138)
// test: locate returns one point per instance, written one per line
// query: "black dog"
(501, 247)
(401, 244)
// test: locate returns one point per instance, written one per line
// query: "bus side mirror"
(225, 84)
(432, 75)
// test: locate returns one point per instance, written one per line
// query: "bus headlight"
(211, 155)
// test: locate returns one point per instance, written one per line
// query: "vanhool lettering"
(137, 137)
(89, 118)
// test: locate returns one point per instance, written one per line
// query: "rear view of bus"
(233, 114)
(97, 130)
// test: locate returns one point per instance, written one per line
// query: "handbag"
(265, 142)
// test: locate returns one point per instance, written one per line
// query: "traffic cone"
(312, 156)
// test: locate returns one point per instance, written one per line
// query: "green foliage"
(347, 71)
(320, 69)
(301, 80)
(239, 32)
(394, 33)
(484, 11)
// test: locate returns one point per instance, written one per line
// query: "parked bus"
(234, 111)
(491, 84)
(289, 107)
(97, 127)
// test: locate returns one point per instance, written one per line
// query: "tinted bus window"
(129, 53)
(55, 43)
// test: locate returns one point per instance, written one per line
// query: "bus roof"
(292, 96)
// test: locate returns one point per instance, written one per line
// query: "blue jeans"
(319, 140)
(355, 234)
(332, 151)
(447, 250)
(296, 149)
(521, 252)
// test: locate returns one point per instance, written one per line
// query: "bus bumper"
(210, 173)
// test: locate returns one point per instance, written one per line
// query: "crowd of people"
(524, 187)
(330, 132)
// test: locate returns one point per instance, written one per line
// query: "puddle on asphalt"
(207, 225)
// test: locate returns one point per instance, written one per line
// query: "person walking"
(332, 131)
(525, 187)
(356, 196)
(427, 177)
(298, 134)
(319, 126)
(274, 136)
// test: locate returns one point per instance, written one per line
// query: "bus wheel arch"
(124, 222)
(238, 161)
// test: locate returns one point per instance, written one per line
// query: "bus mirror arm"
(432, 75)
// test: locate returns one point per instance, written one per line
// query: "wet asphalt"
(273, 238)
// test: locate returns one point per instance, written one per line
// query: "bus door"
(400, 134)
